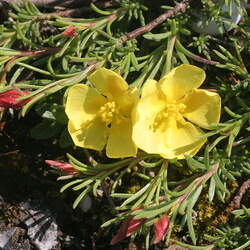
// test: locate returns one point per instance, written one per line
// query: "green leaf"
(216, 141)
(75, 161)
(244, 246)
(53, 111)
(219, 184)
(95, 186)
(135, 196)
(183, 206)
(65, 139)
(226, 172)
(190, 247)
(113, 220)
(153, 211)
(81, 196)
(190, 206)
(157, 37)
(28, 106)
(121, 195)
(45, 129)
(246, 211)
(85, 182)
(97, 10)
(84, 170)
(194, 164)
(69, 185)
(211, 190)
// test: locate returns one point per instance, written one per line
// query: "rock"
(11, 239)
(85, 204)
(212, 27)
(5, 237)
(42, 227)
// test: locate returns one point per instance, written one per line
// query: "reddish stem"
(6, 68)
(181, 7)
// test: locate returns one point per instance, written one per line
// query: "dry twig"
(181, 7)
(234, 204)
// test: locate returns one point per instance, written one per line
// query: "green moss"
(205, 210)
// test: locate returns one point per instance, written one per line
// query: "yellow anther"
(109, 112)
(171, 111)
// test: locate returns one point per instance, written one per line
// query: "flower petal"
(147, 139)
(151, 103)
(202, 107)
(180, 80)
(127, 101)
(108, 83)
(92, 135)
(170, 138)
(82, 104)
(181, 138)
(152, 99)
(120, 142)
(191, 149)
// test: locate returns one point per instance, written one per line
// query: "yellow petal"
(120, 142)
(82, 104)
(152, 100)
(147, 139)
(191, 149)
(180, 80)
(92, 135)
(127, 101)
(202, 107)
(180, 152)
(170, 141)
(151, 103)
(108, 83)
(182, 138)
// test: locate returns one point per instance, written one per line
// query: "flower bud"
(161, 227)
(8, 99)
(63, 166)
(70, 32)
(127, 228)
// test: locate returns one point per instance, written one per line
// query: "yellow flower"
(102, 115)
(166, 115)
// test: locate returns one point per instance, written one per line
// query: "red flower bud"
(8, 99)
(160, 228)
(70, 31)
(63, 166)
(127, 228)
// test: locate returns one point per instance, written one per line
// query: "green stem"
(179, 47)
(156, 182)
(170, 47)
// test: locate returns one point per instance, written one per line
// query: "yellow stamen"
(171, 111)
(110, 112)
(107, 112)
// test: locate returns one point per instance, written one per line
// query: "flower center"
(171, 111)
(110, 112)
(174, 110)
